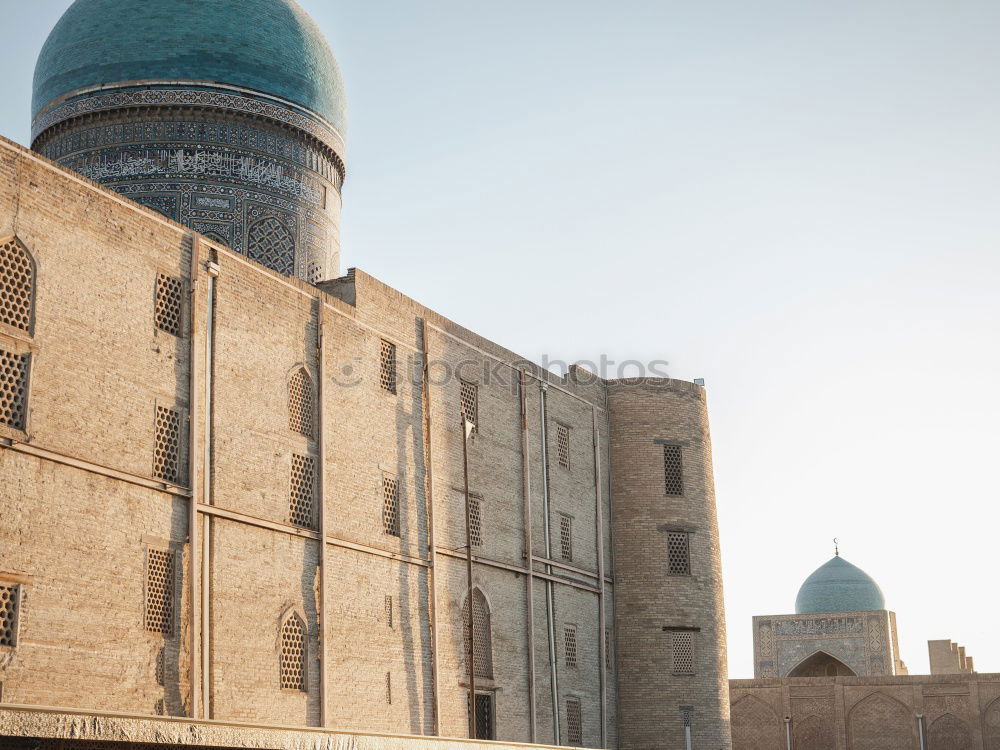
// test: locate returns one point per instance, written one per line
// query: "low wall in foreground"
(34, 728)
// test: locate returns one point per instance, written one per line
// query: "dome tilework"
(269, 46)
(839, 586)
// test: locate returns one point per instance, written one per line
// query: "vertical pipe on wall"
(431, 538)
(601, 610)
(470, 603)
(921, 732)
(206, 537)
(549, 596)
(528, 552)
(321, 493)
(788, 733)
(194, 572)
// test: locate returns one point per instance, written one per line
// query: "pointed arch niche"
(821, 664)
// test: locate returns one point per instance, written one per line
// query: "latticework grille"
(159, 591)
(388, 688)
(672, 469)
(569, 645)
(566, 538)
(484, 717)
(562, 445)
(302, 492)
(169, 303)
(167, 449)
(13, 389)
(470, 403)
(271, 243)
(387, 367)
(678, 553)
(8, 614)
(293, 654)
(301, 405)
(390, 505)
(388, 611)
(482, 633)
(574, 721)
(682, 652)
(161, 667)
(607, 650)
(17, 285)
(476, 521)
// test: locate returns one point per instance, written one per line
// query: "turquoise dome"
(839, 586)
(269, 46)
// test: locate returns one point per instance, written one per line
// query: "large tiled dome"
(270, 47)
(839, 586)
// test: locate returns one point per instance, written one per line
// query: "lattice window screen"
(9, 601)
(574, 722)
(14, 389)
(160, 669)
(470, 403)
(562, 445)
(390, 505)
(484, 717)
(566, 537)
(17, 285)
(271, 243)
(569, 645)
(169, 303)
(482, 635)
(476, 521)
(607, 649)
(678, 553)
(387, 367)
(167, 448)
(301, 404)
(673, 470)
(388, 611)
(388, 688)
(293, 654)
(682, 652)
(302, 492)
(159, 591)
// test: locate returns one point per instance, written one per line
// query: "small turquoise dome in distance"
(839, 586)
(268, 46)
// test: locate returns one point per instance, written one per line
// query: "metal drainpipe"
(921, 731)
(321, 491)
(528, 552)
(206, 537)
(431, 538)
(549, 603)
(601, 606)
(193, 540)
(788, 732)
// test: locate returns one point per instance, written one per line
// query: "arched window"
(17, 285)
(301, 406)
(482, 634)
(293, 653)
(270, 242)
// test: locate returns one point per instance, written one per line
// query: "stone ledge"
(73, 724)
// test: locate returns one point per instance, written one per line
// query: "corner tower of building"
(227, 116)
(669, 612)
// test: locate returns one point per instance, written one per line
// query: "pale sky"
(796, 200)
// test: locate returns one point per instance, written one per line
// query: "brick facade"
(381, 612)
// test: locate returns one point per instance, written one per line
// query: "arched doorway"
(821, 664)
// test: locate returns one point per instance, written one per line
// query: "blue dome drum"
(839, 586)
(227, 116)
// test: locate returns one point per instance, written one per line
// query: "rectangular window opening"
(10, 601)
(569, 645)
(678, 553)
(387, 367)
(562, 445)
(574, 722)
(682, 652)
(566, 537)
(14, 389)
(476, 520)
(390, 505)
(167, 448)
(470, 403)
(302, 492)
(169, 304)
(159, 591)
(673, 470)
